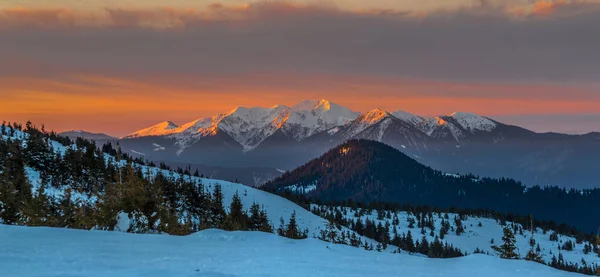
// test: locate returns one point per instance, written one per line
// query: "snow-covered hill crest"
(216, 253)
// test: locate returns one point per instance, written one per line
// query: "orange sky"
(119, 106)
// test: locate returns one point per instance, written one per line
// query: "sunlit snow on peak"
(160, 129)
(473, 122)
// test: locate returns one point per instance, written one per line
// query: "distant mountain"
(73, 134)
(249, 127)
(368, 171)
(159, 129)
(379, 125)
(286, 137)
(250, 176)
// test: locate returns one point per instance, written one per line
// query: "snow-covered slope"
(440, 128)
(250, 126)
(408, 117)
(473, 122)
(457, 126)
(35, 252)
(365, 121)
(276, 207)
(481, 237)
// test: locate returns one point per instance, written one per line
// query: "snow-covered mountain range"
(284, 137)
(251, 126)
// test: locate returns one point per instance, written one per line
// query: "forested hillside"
(429, 231)
(369, 171)
(47, 180)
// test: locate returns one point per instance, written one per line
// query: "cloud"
(538, 42)
(562, 8)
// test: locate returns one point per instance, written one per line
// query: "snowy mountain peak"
(374, 116)
(367, 120)
(312, 116)
(307, 105)
(440, 121)
(457, 126)
(409, 118)
(473, 122)
(439, 127)
(324, 104)
(160, 129)
(250, 126)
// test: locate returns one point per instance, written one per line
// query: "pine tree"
(237, 219)
(217, 212)
(40, 210)
(534, 255)
(459, 226)
(410, 243)
(424, 246)
(330, 233)
(15, 189)
(265, 225)
(444, 229)
(508, 247)
(255, 217)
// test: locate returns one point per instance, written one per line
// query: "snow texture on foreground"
(41, 251)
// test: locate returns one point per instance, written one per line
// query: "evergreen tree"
(508, 247)
(40, 210)
(217, 214)
(534, 255)
(15, 189)
(459, 226)
(330, 234)
(409, 242)
(291, 230)
(424, 246)
(237, 219)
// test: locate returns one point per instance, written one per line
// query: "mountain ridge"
(286, 137)
(367, 171)
(249, 126)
